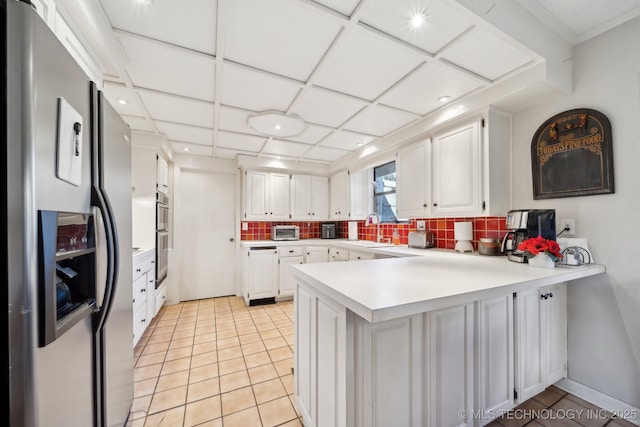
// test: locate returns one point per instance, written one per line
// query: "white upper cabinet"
(413, 174)
(361, 193)
(457, 184)
(266, 196)
(309, 197)
(162, 176)
(463, 170)
(339, 196)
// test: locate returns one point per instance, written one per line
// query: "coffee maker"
(523, 224)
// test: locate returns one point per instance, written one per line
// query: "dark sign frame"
(572, 155)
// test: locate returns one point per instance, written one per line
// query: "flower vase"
(542, 260)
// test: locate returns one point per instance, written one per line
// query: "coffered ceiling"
(355, 71)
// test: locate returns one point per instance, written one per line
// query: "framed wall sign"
(571, 155)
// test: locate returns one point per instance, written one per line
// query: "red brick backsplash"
(490, 226)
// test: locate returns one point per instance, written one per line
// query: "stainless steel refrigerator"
(66, 225)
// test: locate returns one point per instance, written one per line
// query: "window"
(384, 192)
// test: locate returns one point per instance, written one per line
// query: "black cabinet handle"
(435, 204)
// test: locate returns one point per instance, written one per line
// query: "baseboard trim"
(621, 409)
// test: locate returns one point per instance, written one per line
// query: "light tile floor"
(217, 362)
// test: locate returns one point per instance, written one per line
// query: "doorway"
(206, 225)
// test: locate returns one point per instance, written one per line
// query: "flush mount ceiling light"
(276, 124)
(417, 19)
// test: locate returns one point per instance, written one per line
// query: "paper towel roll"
(353, 230)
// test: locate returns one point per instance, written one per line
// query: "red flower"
(535, 245)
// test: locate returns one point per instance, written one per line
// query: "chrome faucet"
(370, 220)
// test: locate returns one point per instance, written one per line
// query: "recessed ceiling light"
(417, 19)
(186, 148)
(360, 144)
(277, 127)
(444, 99)
(122, 101)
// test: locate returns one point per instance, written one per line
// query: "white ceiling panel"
(284, 148)
(167, 68)
(419, 92)
(325, 107)
(350, 66)
(345, 7)
(188, 23)
(285, 37)
(117, 93)
(252, 90)
(442, 24)
(240, 142)
(184, 133)
(235, 120)
(379, 120)
(194, 149)
(326, 154)
(225, 153)
(311, 134)
(139, 123)
(177, 109)
(486, 54)
(346, 140)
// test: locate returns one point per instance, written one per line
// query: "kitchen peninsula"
(441, 339)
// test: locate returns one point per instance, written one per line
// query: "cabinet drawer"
(161, 297)
(139, 293)
(142, 265)
(286, 251)
(139, 323)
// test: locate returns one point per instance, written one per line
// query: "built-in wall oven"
(162, 237)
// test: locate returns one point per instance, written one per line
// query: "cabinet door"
(319, 198)
(361, 193)
(457, 181)
(359, 256)
(451, 367)
(263, 274)
(287, 283)
(338, 254)
(495, 355)
(301, 196)
(317, 254)
(413, 174)
(541, 337)
(339, 196)
(162, 175)
(555, 331)
(256, 193)
(278, 196)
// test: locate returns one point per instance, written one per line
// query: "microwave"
(285, 232)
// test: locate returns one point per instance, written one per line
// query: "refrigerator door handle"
(101, 201)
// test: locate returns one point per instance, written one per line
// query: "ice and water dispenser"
(67, 272)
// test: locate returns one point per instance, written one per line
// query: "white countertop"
(384, 289)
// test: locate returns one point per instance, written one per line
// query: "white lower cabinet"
(360, 255)
(262, 273)
(428, 369)
(288, 255)
(338, 254)
(315, 254)
(143, 299)
(541, 339)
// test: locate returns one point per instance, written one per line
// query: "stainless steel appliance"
(421, 239)
(66, 210)
(329, 230)
(285, 232)
(523, 224)
(162, 238)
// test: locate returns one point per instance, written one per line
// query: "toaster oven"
(285, 232)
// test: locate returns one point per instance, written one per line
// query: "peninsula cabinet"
(541, 336)
(266, 196)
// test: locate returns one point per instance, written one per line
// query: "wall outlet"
(569, 225)
(420, 225)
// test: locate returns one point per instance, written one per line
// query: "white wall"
(604, 311)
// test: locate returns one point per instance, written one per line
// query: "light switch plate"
(69, 161)
(245, 226)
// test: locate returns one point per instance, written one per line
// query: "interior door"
(206, 227)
